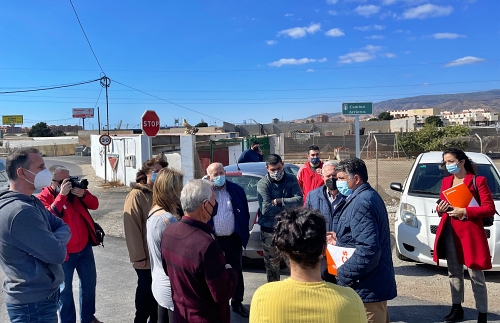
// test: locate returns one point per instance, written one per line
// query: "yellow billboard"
(12, 119)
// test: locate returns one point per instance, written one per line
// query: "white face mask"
(42, 179)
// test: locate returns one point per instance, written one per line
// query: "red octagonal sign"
(150, 123)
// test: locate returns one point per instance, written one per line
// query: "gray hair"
(330, 163)
(194, 193)
(54, 169)
(212, 165)
(19, 158)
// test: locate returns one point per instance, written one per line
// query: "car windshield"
(427, 179)
(248, 183)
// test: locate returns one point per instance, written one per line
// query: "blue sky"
(236, 60)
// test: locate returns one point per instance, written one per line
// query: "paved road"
(117, 279)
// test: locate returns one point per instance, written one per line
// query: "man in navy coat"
(231, 226)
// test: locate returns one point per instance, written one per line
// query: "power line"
(87, 38)
(49, 88)
(154, 96)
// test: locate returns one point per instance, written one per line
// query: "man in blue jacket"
(327, 200)
(364, 225)
(231, 226)
(32, 242)
(252, 154)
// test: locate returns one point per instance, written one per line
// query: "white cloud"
(288, 14)
(367, 10)
(355, 57)
(332, 12)
(388, 2)
(369, 27)
(294, 61)
(309, 70)
(331, 1)
(375, 37)
(372, 48)
(335, 32)
(427, 11)
(400, 31)
(299, 32)
(390, 55)
(447, 36)
(271, 42)
(465, 61)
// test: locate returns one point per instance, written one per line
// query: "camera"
(75, 182)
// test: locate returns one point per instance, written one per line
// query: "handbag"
(488, 221)
(97, 233)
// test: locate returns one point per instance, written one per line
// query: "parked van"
(416, 218)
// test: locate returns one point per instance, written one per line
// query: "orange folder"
(460, 196)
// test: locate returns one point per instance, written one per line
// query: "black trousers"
(165, 315)
(145, 303)
(231, 245)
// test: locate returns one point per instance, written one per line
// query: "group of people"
(185, 242)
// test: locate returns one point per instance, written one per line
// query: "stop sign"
(150, 123)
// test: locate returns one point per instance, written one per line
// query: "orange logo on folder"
(460, 196)
(336, 257)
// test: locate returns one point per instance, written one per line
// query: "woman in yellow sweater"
(300, 236)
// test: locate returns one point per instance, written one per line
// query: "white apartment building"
(471, 117)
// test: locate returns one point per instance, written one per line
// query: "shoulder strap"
(477, 193)
(150, 214)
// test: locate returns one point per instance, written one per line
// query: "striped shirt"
(224, 220)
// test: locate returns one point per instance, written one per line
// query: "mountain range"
(489, 100)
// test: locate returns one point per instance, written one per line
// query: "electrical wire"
(157, 97)
(88, 41)
(49, 88)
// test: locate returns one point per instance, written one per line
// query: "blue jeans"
(44, 311)
(84, 264)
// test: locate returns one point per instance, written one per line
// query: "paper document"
(460, 196)
(336, 257)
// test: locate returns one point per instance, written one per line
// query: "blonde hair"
(167, 190)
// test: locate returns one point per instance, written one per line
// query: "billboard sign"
(12, 119)
(83, 112)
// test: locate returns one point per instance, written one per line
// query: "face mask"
(42, 179)
(277, 175)
(453, 169)
(331, 183)
(256, 148)
(153, 177)
(219, 181)
(315, 160)
(215, 208)
(343, 188)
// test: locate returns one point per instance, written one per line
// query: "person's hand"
(140, 264)
(443, 206)
(77, 191)
(259, 151)
(65, 187)
(318, 170)
(331, 238)
(458, 212)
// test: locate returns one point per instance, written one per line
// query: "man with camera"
(68, 198)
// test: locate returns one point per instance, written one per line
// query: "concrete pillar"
(188, 143)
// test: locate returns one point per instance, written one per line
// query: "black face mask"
(215, 208)
(331, 183)
(256, 148)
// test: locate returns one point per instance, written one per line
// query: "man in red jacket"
(70, 203)
(309, 175)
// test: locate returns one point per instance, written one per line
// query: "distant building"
(65, 128)
(471, 117)
(276, 120)
(9, 129)
(419, 114)
(322, 118)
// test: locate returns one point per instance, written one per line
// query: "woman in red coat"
(460, 238)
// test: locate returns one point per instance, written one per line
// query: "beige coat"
(135, 213)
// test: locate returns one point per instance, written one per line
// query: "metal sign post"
(357, 109)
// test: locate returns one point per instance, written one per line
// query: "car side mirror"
(396, 187)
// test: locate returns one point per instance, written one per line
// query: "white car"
(416, 218)
(247, 176)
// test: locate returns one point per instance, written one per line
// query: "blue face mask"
(343, 188)
(219, 181)
(453, 169)
(153, 177)
(315, 160)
